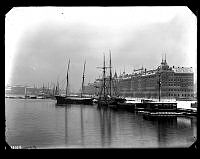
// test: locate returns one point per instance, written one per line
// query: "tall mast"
(53, 90)
(43, 89)
(104, 72)
(57, 89)
(48, 89)
(67, 78)
(110, 74)
(83, 79)
(103, 88)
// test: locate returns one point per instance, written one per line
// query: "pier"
(158, 109)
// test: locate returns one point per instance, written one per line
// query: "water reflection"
(79, 126)
(66, 126)
(105, 126)
(43, 124)
(82, 127)
(174, 132)
(162, 129)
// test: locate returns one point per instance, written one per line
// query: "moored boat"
(106, 96)
(63, 100)
(67, 99)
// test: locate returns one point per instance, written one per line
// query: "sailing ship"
(67, 99)
(106, 95)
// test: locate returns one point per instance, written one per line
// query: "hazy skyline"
(39, 41)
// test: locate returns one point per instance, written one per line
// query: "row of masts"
(104, 87)
(83, 77)
(43, 90)
(56, 90)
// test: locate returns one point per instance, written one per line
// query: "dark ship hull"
(61, 100)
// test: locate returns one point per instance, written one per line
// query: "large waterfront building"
(175, 83)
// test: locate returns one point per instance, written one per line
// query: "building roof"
(182, 69)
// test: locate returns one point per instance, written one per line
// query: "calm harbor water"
(40, 123)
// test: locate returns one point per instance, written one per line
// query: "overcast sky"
(39, 41)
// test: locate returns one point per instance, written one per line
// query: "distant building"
(176, 82)
(20, 90)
